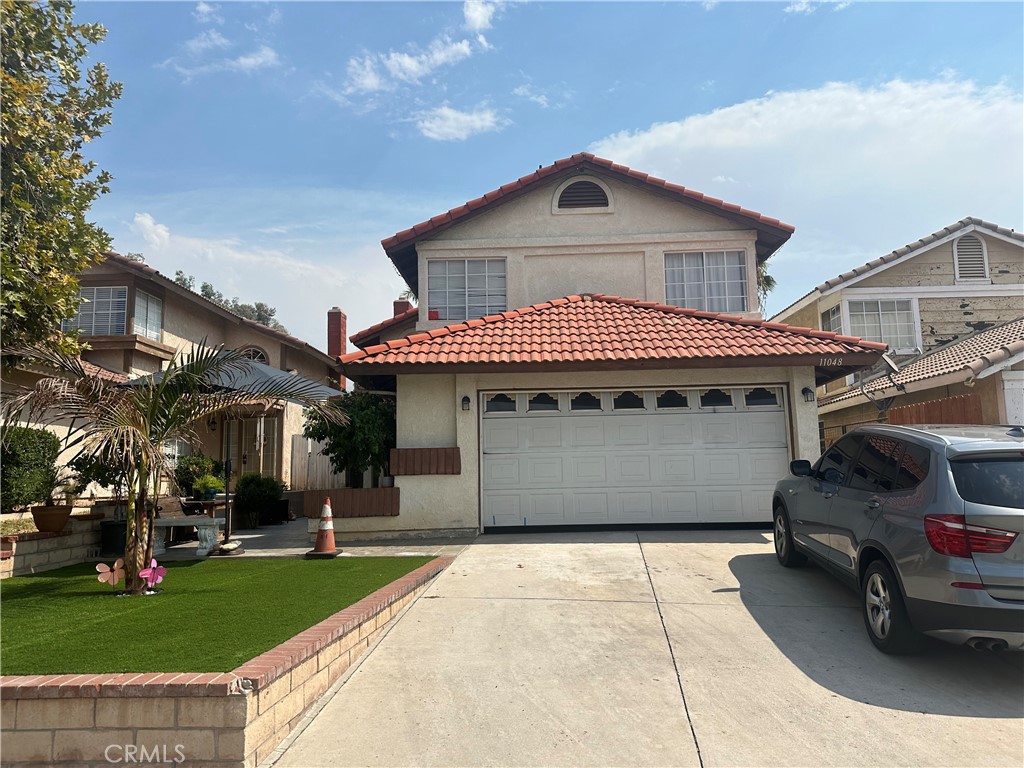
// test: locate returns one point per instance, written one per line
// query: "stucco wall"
(552, 254)
(935, 266)
(430, 415)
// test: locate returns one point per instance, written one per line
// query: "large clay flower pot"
(51, 519)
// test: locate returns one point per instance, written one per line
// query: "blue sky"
(269, 147)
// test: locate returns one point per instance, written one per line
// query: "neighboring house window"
(465, 288)
(832, 320)
(714, 281)
(583, 194)
(891, 321)
(174, 449)
(102, 312)
(255, 353)
(970, 258)
(149, 311)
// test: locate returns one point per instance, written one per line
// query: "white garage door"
(632, 456)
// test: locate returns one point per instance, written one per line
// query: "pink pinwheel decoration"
(154, 574)
(111, 575)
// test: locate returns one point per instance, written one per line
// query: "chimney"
(336, 341)
(402, 306)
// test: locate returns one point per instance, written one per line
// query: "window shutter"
(970, 259)
(583, 194)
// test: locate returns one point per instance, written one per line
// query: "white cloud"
(858, 170)
(263, 57)
(810, 6)
(156, 235)
(479, 13)
(206, 40)
(384, 71)
(720, 179)
(527, 92)
(709, 5)
(206, 13)
(447, 124)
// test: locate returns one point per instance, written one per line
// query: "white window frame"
(745, 282)
(74, 323)
(987, 280)
(444, 311)
(142, 326)
(610, 208)
(914, 308)
(838, 310)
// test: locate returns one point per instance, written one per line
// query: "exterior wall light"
(212, 424)
(465, 402)
(808, 394)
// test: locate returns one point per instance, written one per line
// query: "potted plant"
(189, 469)
(207, 487)
(51, 517)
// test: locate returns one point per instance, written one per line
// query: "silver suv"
(924, 522)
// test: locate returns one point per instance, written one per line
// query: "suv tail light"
(952, 535)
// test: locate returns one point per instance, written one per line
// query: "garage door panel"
(635, 506)
(588, 470)
(542, 433)
(758, 502)
(629, 431)
(501, 436)
(503, 509)
(679, 506)
(719, 428)
(628, 469)
(675, 468)
(547, 508)
(721, 505)
(590, 507)
(501, 471)
(764, 429)
(721, 467)
(584, 432)
(674, 429)
(543, 471)
(765, 466)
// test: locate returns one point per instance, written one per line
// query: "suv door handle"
(872, 504)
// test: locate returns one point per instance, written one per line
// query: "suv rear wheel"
(784, 549)
(885, 615)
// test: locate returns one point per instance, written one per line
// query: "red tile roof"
(966, 357)
(391, 322)
(99, 372)
(598, 329)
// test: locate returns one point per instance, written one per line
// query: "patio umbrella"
(259, 379)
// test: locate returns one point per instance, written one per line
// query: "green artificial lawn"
(212, 615)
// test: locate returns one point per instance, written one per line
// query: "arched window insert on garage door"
(761, 397)
(500, 403)
(585, 401)
(671, 398)
(715, 398)
(628, 401)
(542, 401)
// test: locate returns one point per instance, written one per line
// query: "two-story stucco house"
(946, 306)
(589, 347)
(134, 319)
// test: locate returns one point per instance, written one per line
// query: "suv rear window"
(998, 482)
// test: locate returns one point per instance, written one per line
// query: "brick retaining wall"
(212, 720)
(24, 553)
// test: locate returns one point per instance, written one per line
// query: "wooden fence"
(961, 409)
(310, 468)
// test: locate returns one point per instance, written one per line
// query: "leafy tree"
(366, 437)
(260, 312)
(50, 110)
(127, 426)
(765, 282)
(28, 458)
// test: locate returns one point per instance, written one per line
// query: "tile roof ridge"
(452, 214)
(394, 320)
(739, 320)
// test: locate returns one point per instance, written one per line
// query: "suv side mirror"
(800, 468)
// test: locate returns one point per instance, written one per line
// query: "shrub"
(189, 469)
(28, 457)
(208, 483)
(253, 494)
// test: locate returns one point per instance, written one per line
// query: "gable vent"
(970, 259)
(583, 194)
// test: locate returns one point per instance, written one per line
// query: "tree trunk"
(135, 546)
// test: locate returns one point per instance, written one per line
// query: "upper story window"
(891, 321)
(103, 311)
(714, 281)
(255, 353)
(460, 289)
(583, 194)
(832, 320)
(149, 312)
(970, 259)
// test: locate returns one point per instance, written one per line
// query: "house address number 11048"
(830, 362)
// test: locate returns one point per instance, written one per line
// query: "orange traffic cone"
(325, 546)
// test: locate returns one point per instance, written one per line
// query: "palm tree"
(127, 425)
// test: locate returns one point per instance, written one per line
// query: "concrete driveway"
(675, 648)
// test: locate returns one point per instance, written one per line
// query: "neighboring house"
(538, 396)
(983, 371)
(134, 319)
(962, 279)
